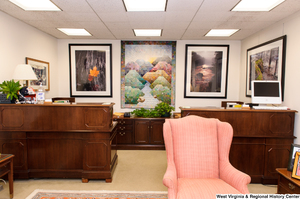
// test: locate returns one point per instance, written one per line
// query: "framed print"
(90, 70)
(296, 168)
(266, 62)
(41, 69)
(148, 73)
(206, 69)
(294, 148)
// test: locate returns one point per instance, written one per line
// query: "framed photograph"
(90, 70)
(148, 73)
(41, 69)
(296, 168)
(294, 148)
(206, 69)
(266, 62)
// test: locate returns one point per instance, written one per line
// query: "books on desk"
(61, 102)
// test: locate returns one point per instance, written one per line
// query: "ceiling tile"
(204, 24)
(179, 16)
(180, 5)
(183, 19)
(217, 5)
(212, 16)
(113, 17)
(83, 16)
(73, 5)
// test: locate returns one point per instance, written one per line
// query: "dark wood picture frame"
(266, 61)
(206, 71)
(90, 70)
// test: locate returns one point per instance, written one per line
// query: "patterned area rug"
(63, 194)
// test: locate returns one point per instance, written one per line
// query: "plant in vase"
(11, 89)
(160, 110)
(142, 112)
(164, 109)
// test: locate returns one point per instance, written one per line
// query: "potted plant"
(160, 110)
(142, 112)
(164, 109)
(11, 89)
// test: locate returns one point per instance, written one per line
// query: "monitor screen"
(266, 92)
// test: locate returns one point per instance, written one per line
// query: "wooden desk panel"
(56, 117)
(261, 139)
(60, 141)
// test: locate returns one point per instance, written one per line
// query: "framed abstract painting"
(90, 70)
(206, 69)
(147, 73)
(266, 61)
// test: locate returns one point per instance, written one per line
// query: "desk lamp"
(24, 72)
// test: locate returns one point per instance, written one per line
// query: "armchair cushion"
(203, 188)
(195, 140)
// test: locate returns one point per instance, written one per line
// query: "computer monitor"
(266, 92)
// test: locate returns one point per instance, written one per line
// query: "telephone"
(127, 114)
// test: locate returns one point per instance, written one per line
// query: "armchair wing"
(228, 173)
(170, 177)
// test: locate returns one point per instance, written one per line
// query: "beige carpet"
(54, 194)
(137, 170)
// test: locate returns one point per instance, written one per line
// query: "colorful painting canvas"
(148, 73)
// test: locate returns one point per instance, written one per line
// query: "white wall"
(233, 73)
(290, 27)
(18, 41)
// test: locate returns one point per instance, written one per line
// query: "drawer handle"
(122, 133)
(291, 186)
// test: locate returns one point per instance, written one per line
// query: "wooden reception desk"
(261, 139)
(59, 140)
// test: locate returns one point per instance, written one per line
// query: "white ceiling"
(183, 19)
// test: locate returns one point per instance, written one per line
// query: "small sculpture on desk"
(26, 95)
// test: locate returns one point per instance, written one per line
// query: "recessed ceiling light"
(256, 5)
(36, 5)
(74, 32)
(145, 5)
(221, 32)
(147, 32)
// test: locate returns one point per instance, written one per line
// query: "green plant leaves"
(10, 88)
(158, 111)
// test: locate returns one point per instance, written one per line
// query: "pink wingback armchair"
(198, 159)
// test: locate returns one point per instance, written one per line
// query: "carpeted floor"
(52, 194)
(137, 170)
